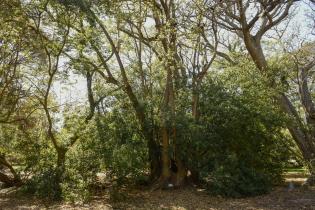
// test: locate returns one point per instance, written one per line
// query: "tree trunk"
(154, 159)
(180, 176)
(194, 176)
(9, 181)
(165, 159)
(299, 135)
(61, 159)
(173, 171)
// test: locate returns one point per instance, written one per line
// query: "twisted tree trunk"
(9, 181)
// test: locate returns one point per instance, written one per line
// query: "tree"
(13, 93)
(159, 82)
(160, 37)
(251, 21)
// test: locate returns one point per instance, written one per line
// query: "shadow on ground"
(188, 198)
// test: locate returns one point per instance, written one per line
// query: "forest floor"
(191, 198)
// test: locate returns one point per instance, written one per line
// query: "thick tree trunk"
(194, 176)
(173, 172)
(255, 50)
(172, 168)
(9, 181)
(165, 160)
(180, 177)
(165, 136)
(61, 159)
(154, 159)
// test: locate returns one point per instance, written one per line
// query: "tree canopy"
(158, 92)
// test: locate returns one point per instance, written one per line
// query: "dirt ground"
(189, 198)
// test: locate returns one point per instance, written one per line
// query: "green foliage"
(76, 186)
(137, 60)
(237, 145)
(82, 163)
(44, 177)
(123, 149)
(45, 185)
(234, 178)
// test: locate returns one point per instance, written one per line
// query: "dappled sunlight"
(157, 104)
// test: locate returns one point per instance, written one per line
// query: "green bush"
(75, 187)
(121, 146)
(45, 185)
(235, 179)
(237, 144)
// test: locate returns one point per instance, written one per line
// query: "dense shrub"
(237, 145)
(45, 185)
(122, 147)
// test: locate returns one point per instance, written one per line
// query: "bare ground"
(281, 198)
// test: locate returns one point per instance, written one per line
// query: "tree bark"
(154, 159)
(165, 156)
(9, 181)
